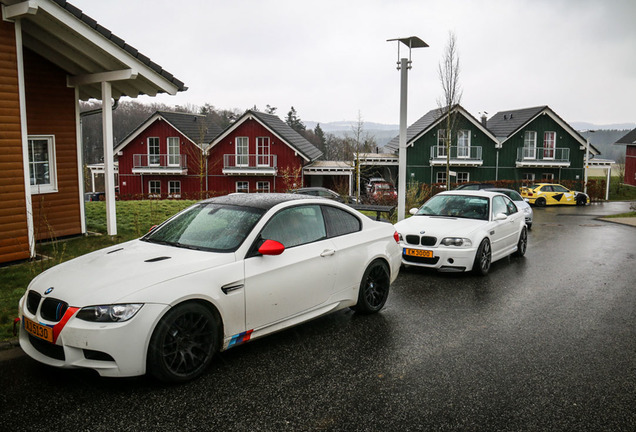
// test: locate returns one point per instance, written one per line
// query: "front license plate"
(38, 330)
(418, 253)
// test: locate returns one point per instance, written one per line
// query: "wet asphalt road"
(545, 342)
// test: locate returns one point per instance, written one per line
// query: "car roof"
(263, 201)
(478, 193)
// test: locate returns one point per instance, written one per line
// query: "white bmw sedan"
(218, 274)
(460, 231)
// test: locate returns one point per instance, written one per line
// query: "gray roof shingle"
(192, 126)
(292, 137)
(630, 138)
(505, 123)
(416, 128)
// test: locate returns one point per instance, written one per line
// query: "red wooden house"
(630, 157)
(184, 156)
(51, 56)
(165, 157)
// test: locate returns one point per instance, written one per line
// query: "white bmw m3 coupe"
(216, 275)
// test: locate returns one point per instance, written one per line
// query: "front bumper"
(445, 259)
(112, 349)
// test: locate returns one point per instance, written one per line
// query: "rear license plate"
(419, 253)
(38, 330)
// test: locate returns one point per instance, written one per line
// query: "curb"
(10, 350)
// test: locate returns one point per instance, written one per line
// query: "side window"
(559, 188)
(296, 226)
(340, 222)
(42, 165)
(499, 206)
(512, 208)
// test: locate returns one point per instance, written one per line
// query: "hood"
(439, 226)
(107, 275)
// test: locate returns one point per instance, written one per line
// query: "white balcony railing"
(527, 156)
(162, 163)
(249, 164)
(461, 155)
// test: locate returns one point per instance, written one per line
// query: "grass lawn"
(134, 218)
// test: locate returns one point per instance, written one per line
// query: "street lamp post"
(403, 66)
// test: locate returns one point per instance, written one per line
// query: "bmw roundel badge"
(422, 232)
(48, 291)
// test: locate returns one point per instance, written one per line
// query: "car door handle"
(327, 252)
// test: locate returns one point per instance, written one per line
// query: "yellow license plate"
(38, 330)
(419, 253)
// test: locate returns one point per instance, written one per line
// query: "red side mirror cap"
(271, 247)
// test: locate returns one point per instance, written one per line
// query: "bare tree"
(448, 71)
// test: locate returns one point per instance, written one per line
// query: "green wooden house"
(524, 145)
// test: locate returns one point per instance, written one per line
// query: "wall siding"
(51, 111)
(14, 243)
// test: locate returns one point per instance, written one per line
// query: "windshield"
(511, 194)
(213, 227)
(461, 206)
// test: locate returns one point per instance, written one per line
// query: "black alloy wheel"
(522, 244)
(483, 258)
(374, 288)
(540, 202)
(183, 343)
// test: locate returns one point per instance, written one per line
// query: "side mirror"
(271, 247)
(501, 216)
(413, 211)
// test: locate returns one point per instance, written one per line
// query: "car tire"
(374, 288)
(183, 343)
(581, 201)
(522, 244)
(540, 202)
(483, 258)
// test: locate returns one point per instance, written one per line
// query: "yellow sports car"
(541, 194)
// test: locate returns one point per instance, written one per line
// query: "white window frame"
(51, 186)
(440, 176)
(262, 151)
(463, 149)
(174, 157)
(549, 150)
(174, 188)
(547, 177)
(463, 177)
(242, 186)
(242, 151)
(441, 143)
(151, 193)
(528, 178)
(530, 144)
(154, 159)
(263, 187)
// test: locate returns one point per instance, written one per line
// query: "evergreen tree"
(294, 121)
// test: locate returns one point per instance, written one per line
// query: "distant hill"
(603, 138)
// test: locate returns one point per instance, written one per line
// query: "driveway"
(544, 342)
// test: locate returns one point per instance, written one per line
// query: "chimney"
(484, 119)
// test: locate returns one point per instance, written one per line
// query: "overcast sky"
(331, 61)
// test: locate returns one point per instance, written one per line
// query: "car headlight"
(456, 241)
(527, 210)
(109, 313)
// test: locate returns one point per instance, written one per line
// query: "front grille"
(48, 349)
(53, 309)
(413, 239)
(33, 301)
(424, 240)
(429, 241)
(421, 260)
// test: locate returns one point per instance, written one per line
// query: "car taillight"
(396, 237)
